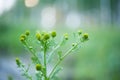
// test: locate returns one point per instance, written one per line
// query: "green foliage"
(48, 47)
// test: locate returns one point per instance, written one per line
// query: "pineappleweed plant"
(48, 48)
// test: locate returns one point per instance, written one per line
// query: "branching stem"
(62, 58)
(32, 51)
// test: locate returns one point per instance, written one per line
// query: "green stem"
(51, 54)
(68, 52)
(62, 58)
(26, 73)
(54, 68)
(45, 72)
(32, 51)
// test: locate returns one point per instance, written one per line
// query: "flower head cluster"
(44, 36)
(24, 36)
(47, 43)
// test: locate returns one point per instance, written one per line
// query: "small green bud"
(46, 36)
(22, 38)
(38, 67)
(80, 32)
(18, 62)
(27, 33)
(66, 36)
(38, 36)
(85, 36)
(73, 44)
(53, 34)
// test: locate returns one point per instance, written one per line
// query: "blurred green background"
(98, 59)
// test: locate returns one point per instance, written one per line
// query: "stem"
(55, 68)
(45, 72)
(62, 58)
(26, 73)
(51, 54)
(68, 52)
(32, 51)
(45, 76)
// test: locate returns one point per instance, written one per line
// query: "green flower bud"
(46, 36)
(85, 36)
(80, 32)
(66, 36)
(73, 44)
(38, 67)
(18, 62)
(22, 38)
(53, 34)
(27, 33)
(38, 36)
